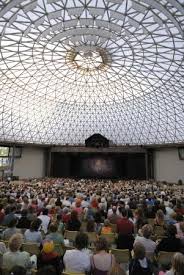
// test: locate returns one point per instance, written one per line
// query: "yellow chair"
(31, 248)
(164, 258)
(111, 238)
(70, 235)
(122, 256)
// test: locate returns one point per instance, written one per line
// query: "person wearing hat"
(49, 257)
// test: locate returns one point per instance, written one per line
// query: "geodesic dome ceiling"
(71, 68)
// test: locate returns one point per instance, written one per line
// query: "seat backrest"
(92, 236)
(164, 258)
(121, 255)
(109, 237)
(70, 235)
(114, 227)
(69, 247)
(31, 248)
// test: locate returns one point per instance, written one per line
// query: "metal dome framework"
(70, 68)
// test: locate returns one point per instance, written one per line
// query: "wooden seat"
(121, 255)
(70, 235)
(31, 248)
(111, 238)
(164, 258)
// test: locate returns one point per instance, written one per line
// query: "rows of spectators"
(40, 211)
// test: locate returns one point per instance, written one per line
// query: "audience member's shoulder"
(26, 254)
(169, 272)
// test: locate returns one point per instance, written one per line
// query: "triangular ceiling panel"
(71, 68)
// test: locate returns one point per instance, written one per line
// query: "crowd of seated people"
(141, 216)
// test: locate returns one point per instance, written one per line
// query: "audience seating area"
(63, 216)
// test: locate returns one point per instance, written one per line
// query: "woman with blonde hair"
(14, 256)
(177, 265)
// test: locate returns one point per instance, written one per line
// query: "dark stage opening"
(99, 165)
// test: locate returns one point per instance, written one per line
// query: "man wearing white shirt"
(45, 220)
(78, 260)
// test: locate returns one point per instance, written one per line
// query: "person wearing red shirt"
(125, 230)
(124, 226)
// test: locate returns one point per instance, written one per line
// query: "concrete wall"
(167, 165)
(31, 164)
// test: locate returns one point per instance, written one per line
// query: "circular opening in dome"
(89, 61)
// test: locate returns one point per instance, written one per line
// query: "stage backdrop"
(98, 165)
